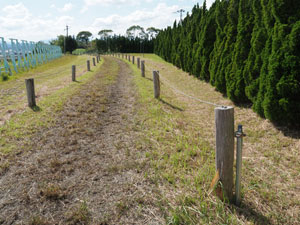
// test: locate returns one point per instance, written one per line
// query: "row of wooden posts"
(30, 82)
(224, 124)
(225, 134)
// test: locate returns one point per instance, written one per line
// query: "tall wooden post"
(138, 63)
(224, 119)
(133, 59)
(129, 58)
(88, 65)
(156, 84)
(73, 73)
(94, 61)
(143, 68)
(30, 92)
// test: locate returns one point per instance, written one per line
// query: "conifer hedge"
(248, 49)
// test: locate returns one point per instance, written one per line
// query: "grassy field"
(53, 87)
(176, 135)
(180, 135)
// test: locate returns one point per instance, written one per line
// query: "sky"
(44, 20)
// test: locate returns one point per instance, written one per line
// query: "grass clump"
(52, 192)
(79, 215)
(38, 220)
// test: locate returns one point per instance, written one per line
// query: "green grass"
(21, 126)
(181, 160)
(39, 69)
(47, 78)
(149, 56)
(181, 143)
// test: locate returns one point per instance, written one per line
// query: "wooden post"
(126, 56)
(133, 59)
(94, 61)
(30, 92)
(143, 68)
(156, 84)
(129, 58)
(138, 63)
(224, 119)
(73, 73)
(88, 65)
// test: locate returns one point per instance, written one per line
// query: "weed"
(79, 215)
(122, 207)
(4, 167)
(52, 192)
(37, 220)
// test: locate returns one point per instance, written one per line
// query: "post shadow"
(170, 105)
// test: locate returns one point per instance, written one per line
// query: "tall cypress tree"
(215, 57)
(236, 83)
(254, 62)
(207, 40)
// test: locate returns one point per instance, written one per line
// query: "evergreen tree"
(236, 83)
(215, 56)
(247, 49)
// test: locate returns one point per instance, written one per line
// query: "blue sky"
(46, 19)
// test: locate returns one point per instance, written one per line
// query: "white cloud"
(209, 3)
(17, 22)
(160, 17)
(89, 3)
(67, 7)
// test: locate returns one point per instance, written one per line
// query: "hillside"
(104, 151)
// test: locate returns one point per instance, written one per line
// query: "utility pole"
(180, 11)
(65, 44)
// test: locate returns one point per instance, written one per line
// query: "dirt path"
(88, 168)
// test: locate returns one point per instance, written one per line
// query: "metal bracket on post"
(239, 147)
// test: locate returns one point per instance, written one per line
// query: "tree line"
(247, 49)
(136, 40)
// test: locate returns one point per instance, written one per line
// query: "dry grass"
(107, 158)
(79, 215)
(84, 168)
(181, 133)
(48, 78)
